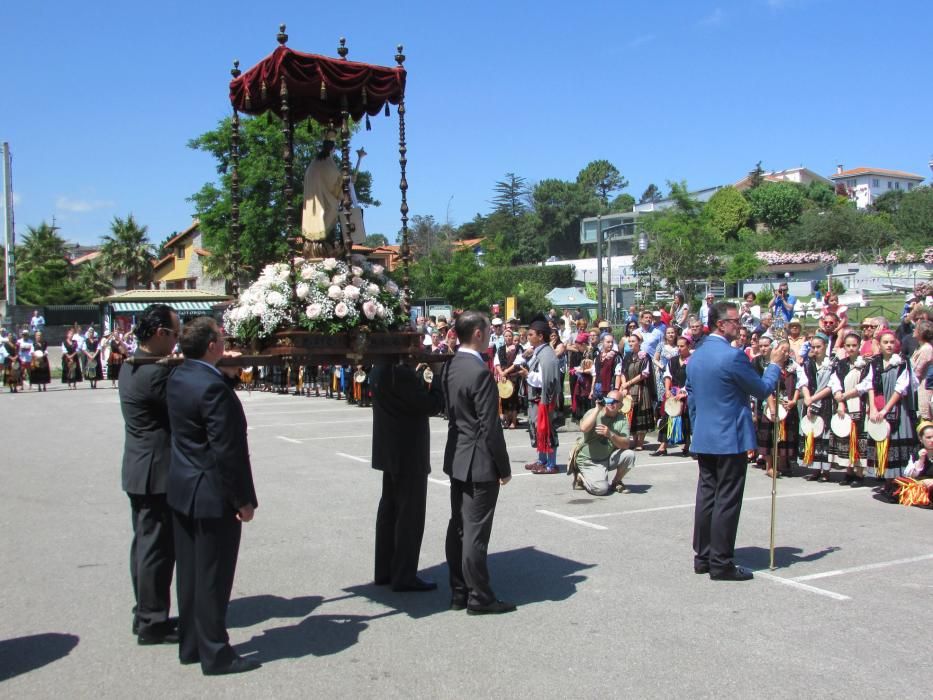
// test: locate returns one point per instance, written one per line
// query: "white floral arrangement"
(330, 296)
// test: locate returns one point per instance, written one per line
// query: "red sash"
(543, 428)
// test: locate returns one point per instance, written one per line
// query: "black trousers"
(718, 506)
(472, 507)
(207, 551)
(152, 561)
(400, 527)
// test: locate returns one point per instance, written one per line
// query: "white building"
(801, 176)
(865, 185)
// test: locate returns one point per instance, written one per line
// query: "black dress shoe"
(188, 662)
(496, 607)
(419, 585)
(458, 604)
(238, 665)
(736, 573)
(148, 638)
(701, 568)
(382, 581)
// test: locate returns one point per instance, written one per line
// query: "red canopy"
(367, 88)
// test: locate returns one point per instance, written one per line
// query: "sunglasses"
(610, 402)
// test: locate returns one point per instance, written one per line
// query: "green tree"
(742, 266)
(914, 218)
(511, 195)
(44, 275)
(728, 211)
(756, 176)
(127, 251)
(427, 237)
(777, 205)
(375, 240)
(261, 175)
(559, 206)
(93, 280)
(462, 283)
(651, 194)
(601, 178)
(889, 202)
(623, 203)
(819, 195)
(843, 230)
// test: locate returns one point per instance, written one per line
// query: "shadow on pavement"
(784, 557)
(249, 611)
(415, 605)
(24, 654)
(316, 635)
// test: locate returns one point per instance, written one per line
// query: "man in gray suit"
(478, 464)
(146, 458)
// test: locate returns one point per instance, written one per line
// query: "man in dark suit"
(719, 381)
(146, 457)
(477, 462)
(210, 490)
(402, 404)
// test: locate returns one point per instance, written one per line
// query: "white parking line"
(288, 439)
(354, 458)
(864, 567)
(315, 422)
(794, 583)
(571, 520)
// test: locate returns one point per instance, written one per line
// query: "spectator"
(783, 303)
(704, 308)
(37, 322)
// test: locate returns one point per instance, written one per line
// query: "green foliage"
(838, 287)
(727, 212)
(622, 203)
(44, 275)
(776, 204)
(559, 206)
(375, 240)
(914, 219)
(756, 176)
(764, 297)
(511, 196)
(819, 195)
(743, 265)
(127, 251)
(93, 280)
(651, 194)
(261, 175)
(601, 178)
(889, 202)
(842, 230)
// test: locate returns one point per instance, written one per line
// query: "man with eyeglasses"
(783, 303)
(146, 457)
(605, 449)
(719, 381)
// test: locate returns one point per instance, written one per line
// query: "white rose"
(339, 279)
(351, 293)
(391, 287)
(313, 311)
(357, 271)
(373, 289)
(341, 310)
(380, 310)
(275, 299)
(307, 272)
(335, 292)
(369, 309)
(329, 263)
(378, 269)
(357, 282)
(302, 290)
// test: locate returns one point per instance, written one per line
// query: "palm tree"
(40, 245)
(127, 251)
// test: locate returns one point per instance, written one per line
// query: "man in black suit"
(401, 451)
(146, 457)
(477, 462)
(210, 490)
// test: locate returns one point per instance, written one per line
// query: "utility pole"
(599, 266)
(9, 237)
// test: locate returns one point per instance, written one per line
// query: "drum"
(782, 413)
(626, 404)
(811, 425)
(673, 407)
(37, 359)
(359, 376)
(246, 375)
(505, 388)
(877, 431)
(428, 375)
(841, 425)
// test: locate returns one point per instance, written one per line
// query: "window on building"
(897, 185)
(191, 283)
(854, 181)
(180, 252)
(910, 185)
(175, 284)
(875, 182)
(890, 185)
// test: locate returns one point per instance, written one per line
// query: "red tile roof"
(87, 257)
(203, 253)
(188, 231)
(875, 171)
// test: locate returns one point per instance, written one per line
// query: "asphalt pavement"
(609, 605)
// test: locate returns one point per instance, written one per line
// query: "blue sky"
(100, 98)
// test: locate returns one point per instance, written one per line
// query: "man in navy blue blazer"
(719, 381)
(210, 490)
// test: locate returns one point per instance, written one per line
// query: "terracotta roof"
(395, 249)
(188, 231)
(468, 242)
(875, 171)
(203, 253)
(87, 257)
(156, 264)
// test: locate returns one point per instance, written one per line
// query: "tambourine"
(359, 376)
(428, 375)
(246, 375)
(38, 353)
(811, 425)
(673, 407)
(841, 425)
(877, 431)
(626, 404)
(505, 389)
(782, 413)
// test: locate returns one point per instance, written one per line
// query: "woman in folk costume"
(92, 366)
(505, 367)
(792, 378)
(635, 379)
(71, 363)
(118, 353)
(849, 451)
(605, 364)
(817, 409)
(41, 372)
(887, 385)
(667, 350)
(917, 487)
(24, 348)
(12, 370)
(675, 381)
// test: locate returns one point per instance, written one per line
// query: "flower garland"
(332, 297)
